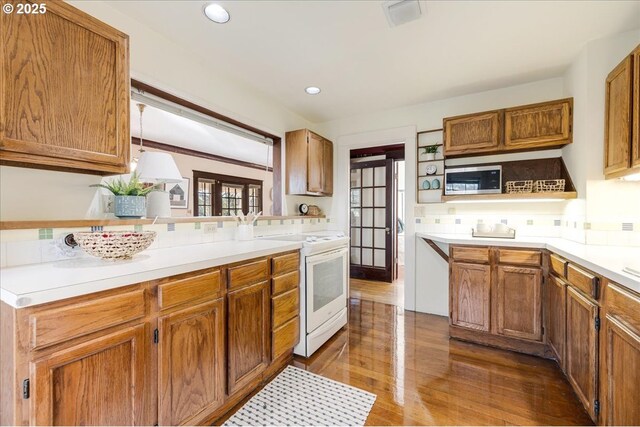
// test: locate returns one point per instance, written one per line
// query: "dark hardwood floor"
(423, 378)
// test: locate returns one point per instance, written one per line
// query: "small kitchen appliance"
(473, 180)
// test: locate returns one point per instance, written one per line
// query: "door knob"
(387, 229)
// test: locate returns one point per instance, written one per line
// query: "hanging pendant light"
(156, 167)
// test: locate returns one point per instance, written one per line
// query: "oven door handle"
(314, 259)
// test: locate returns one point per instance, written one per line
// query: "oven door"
(327, 278)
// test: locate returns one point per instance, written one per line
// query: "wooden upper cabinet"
(539, 125)
(581, 365)
(327, 167)
(65, 91)
(249, 326)
(309, 163)
(518, 305)
(522, 128)
(470, 287)
(99, 382)
(617, 129)
(473, 133)
(635, 107)
(557, 317)
(315, 161)
(191, 365)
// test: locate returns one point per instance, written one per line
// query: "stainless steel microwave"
(473, 180)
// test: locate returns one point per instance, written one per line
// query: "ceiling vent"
(400, 12)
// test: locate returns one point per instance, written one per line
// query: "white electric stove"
(324, 287)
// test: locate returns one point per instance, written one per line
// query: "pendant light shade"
(157, 166)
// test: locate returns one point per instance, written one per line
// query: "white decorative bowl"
(114, 245)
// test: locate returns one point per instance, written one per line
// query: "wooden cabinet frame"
(622, 118)
(309, 164)
(523, 128)
(42, 372)
(91, 135)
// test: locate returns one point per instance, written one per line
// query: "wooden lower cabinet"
(518, 305)
(620, 357)
(99, 382)
(191, 368)
(581, 365)
(181, 350)
(470, 287)
(621, 386)
(556, 317)
(248, 330)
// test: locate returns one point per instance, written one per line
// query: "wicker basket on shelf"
(549, 186)
(114, 245)
(525, 186)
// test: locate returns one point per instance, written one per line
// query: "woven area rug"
(300, 398)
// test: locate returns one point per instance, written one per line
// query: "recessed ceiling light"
(312, 90)
(216, 13)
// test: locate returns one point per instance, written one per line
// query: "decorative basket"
(549, 186)
(314, 210)
(114, 245)
(519, 186)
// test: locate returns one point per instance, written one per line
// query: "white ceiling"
(161, 126)
(363, 65)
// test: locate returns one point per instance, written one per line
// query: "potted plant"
(129, 201)
(430, 151)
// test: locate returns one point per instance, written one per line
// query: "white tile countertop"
(39, 283)
(609, 261)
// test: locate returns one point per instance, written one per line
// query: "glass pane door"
(371, 210)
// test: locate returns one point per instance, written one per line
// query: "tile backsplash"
(614, 231)
(34, 246)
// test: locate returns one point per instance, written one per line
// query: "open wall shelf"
(427, 138)
(520, 170)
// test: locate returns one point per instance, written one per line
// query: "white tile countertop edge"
(25, 286)
(609, 261)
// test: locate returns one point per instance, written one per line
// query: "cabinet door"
(315, 163)
(582, 348)
(327, 168)
(557, 315)
(65, 91)
(100, 382)
(617, 130)
(622, 374)
(540, 125)
(470, 285)
(519, 302)
(191, 366)
(248, 334)
(635, 144)
(473, 133)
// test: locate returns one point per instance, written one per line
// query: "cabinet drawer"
(285, 306)
(64, 323)
(557, 265)
(462, 253)
(247, 274)
(623, 305)
(190, 288)
(284, 263)
(583, 280)
(285, 337)
(518, 256)
(285, 283)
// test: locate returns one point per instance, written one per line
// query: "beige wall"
(187, 164)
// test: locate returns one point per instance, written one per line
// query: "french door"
(372, 211)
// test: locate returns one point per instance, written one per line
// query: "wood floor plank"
(421, 377)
